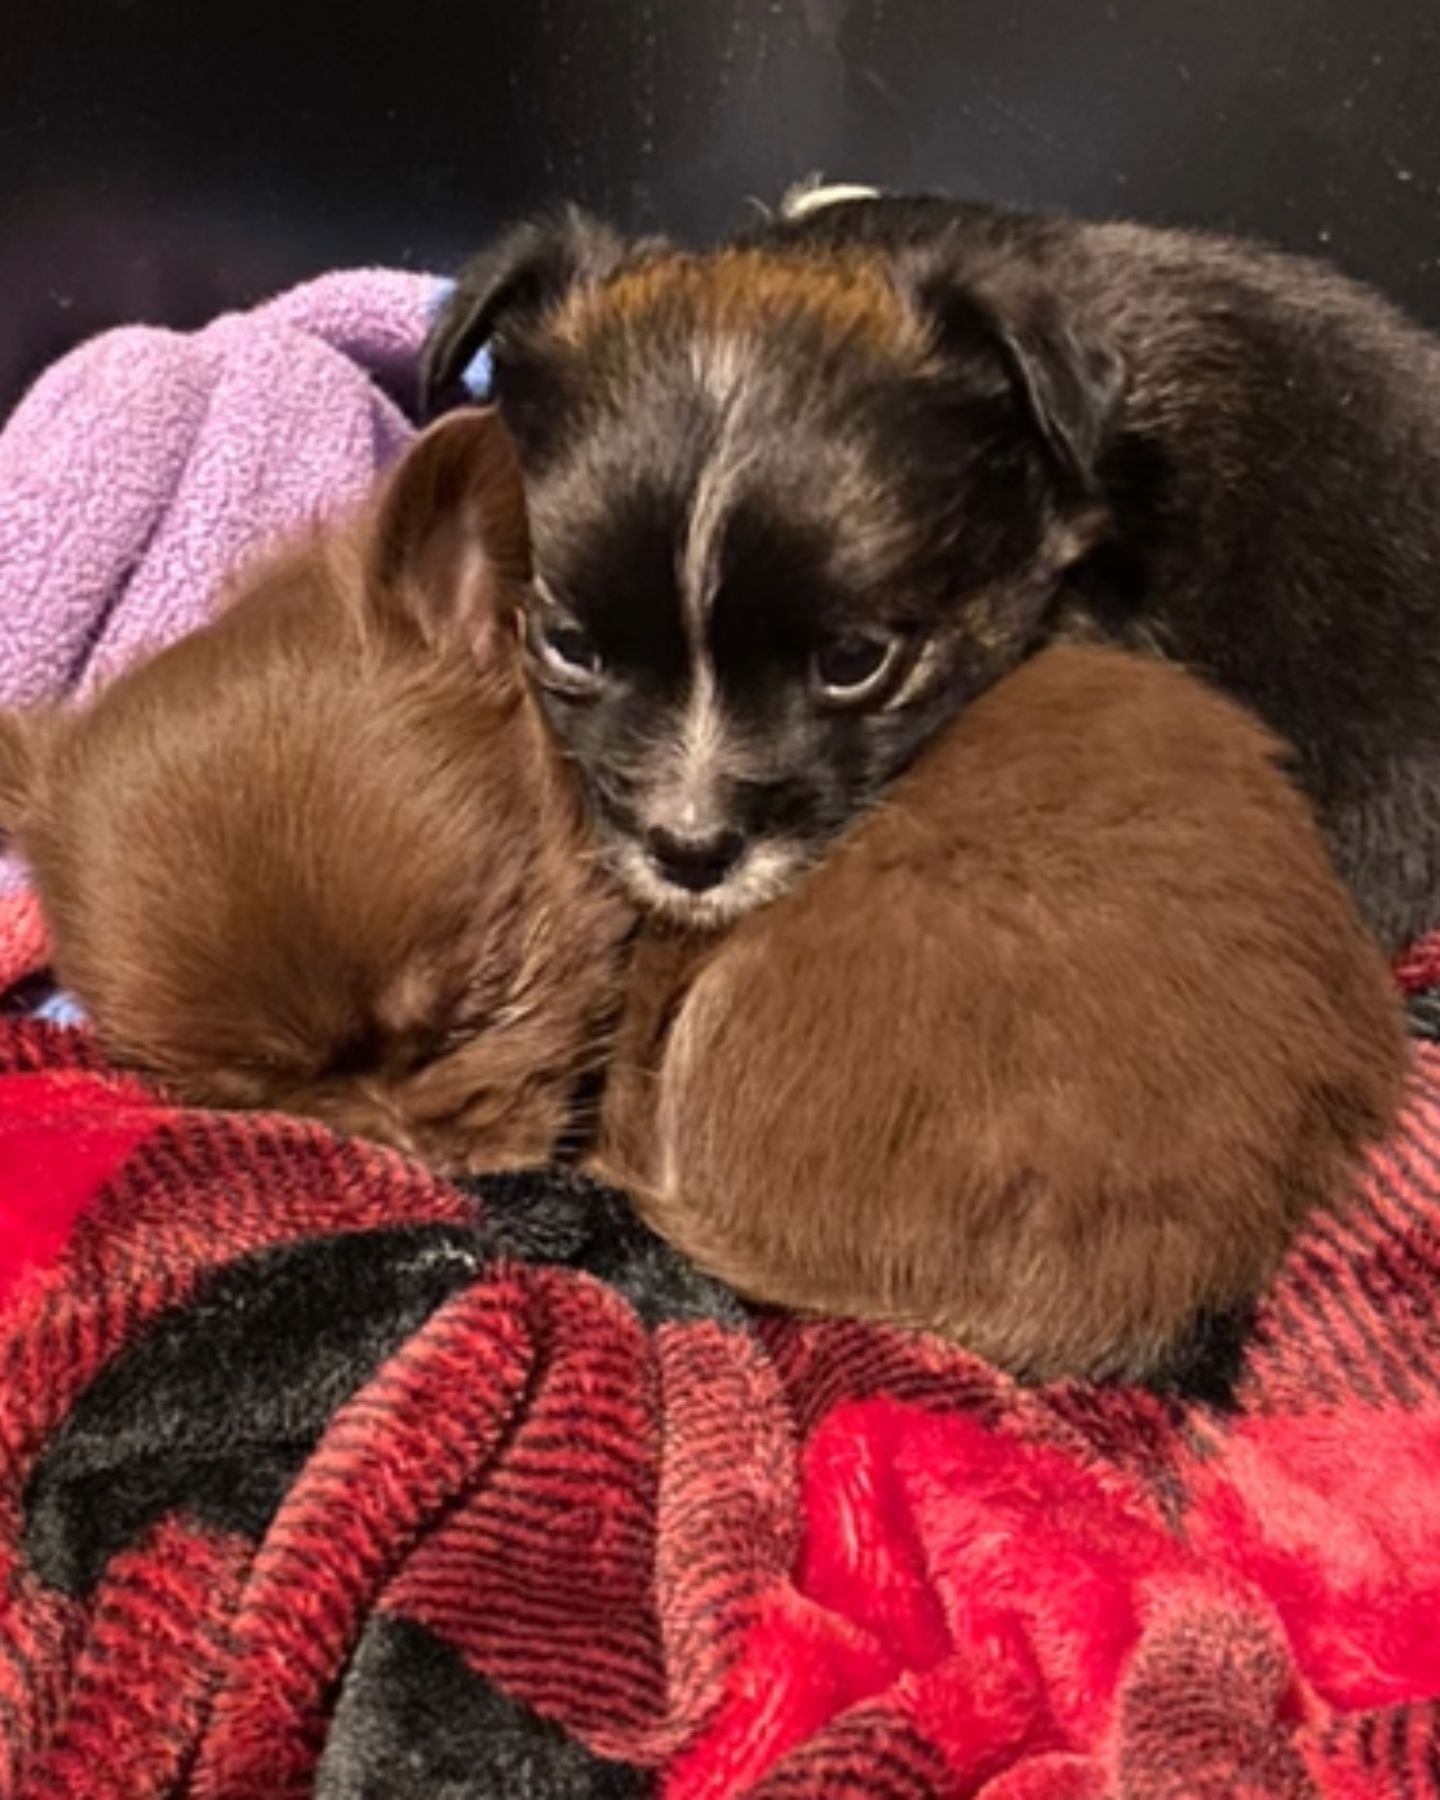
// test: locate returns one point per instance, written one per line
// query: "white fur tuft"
(814, 193)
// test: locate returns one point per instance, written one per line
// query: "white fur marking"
(919, 675)
(699, 561)
(685, 807)
(814, 194)
(761, 876)
(720, 365)
(684, 803)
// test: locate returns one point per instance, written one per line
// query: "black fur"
(510, 286)
(1194, 446)
(557, 1217)
(1207, 1363)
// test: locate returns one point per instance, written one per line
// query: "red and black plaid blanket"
(318, 1476)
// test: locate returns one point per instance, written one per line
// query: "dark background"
(162, 159)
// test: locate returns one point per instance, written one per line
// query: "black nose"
(694, 863)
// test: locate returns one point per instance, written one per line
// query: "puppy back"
(1054, 1052)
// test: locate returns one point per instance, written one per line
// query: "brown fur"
(848, 300)
(1053, 1053)
(310, 858)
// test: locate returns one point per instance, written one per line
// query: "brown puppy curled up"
(318, 857)
(1052, 1054)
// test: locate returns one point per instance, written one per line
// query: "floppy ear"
(510, 286)
(1065, 371)
(17, 771)
(450, 537)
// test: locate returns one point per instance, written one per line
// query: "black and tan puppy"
(798, 499)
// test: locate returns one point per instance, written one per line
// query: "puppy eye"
(854, 665)
(566, 652)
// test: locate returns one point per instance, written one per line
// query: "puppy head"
(792, 506)
(318, 858)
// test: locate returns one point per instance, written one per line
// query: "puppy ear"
(450, 536)
(17, 771)
(1067, 374)
(513, 284)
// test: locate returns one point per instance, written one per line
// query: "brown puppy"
(315, 858)
(1052, 1054)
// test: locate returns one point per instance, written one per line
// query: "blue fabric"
(478, 379)
(62, 1009)
(479, 376)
